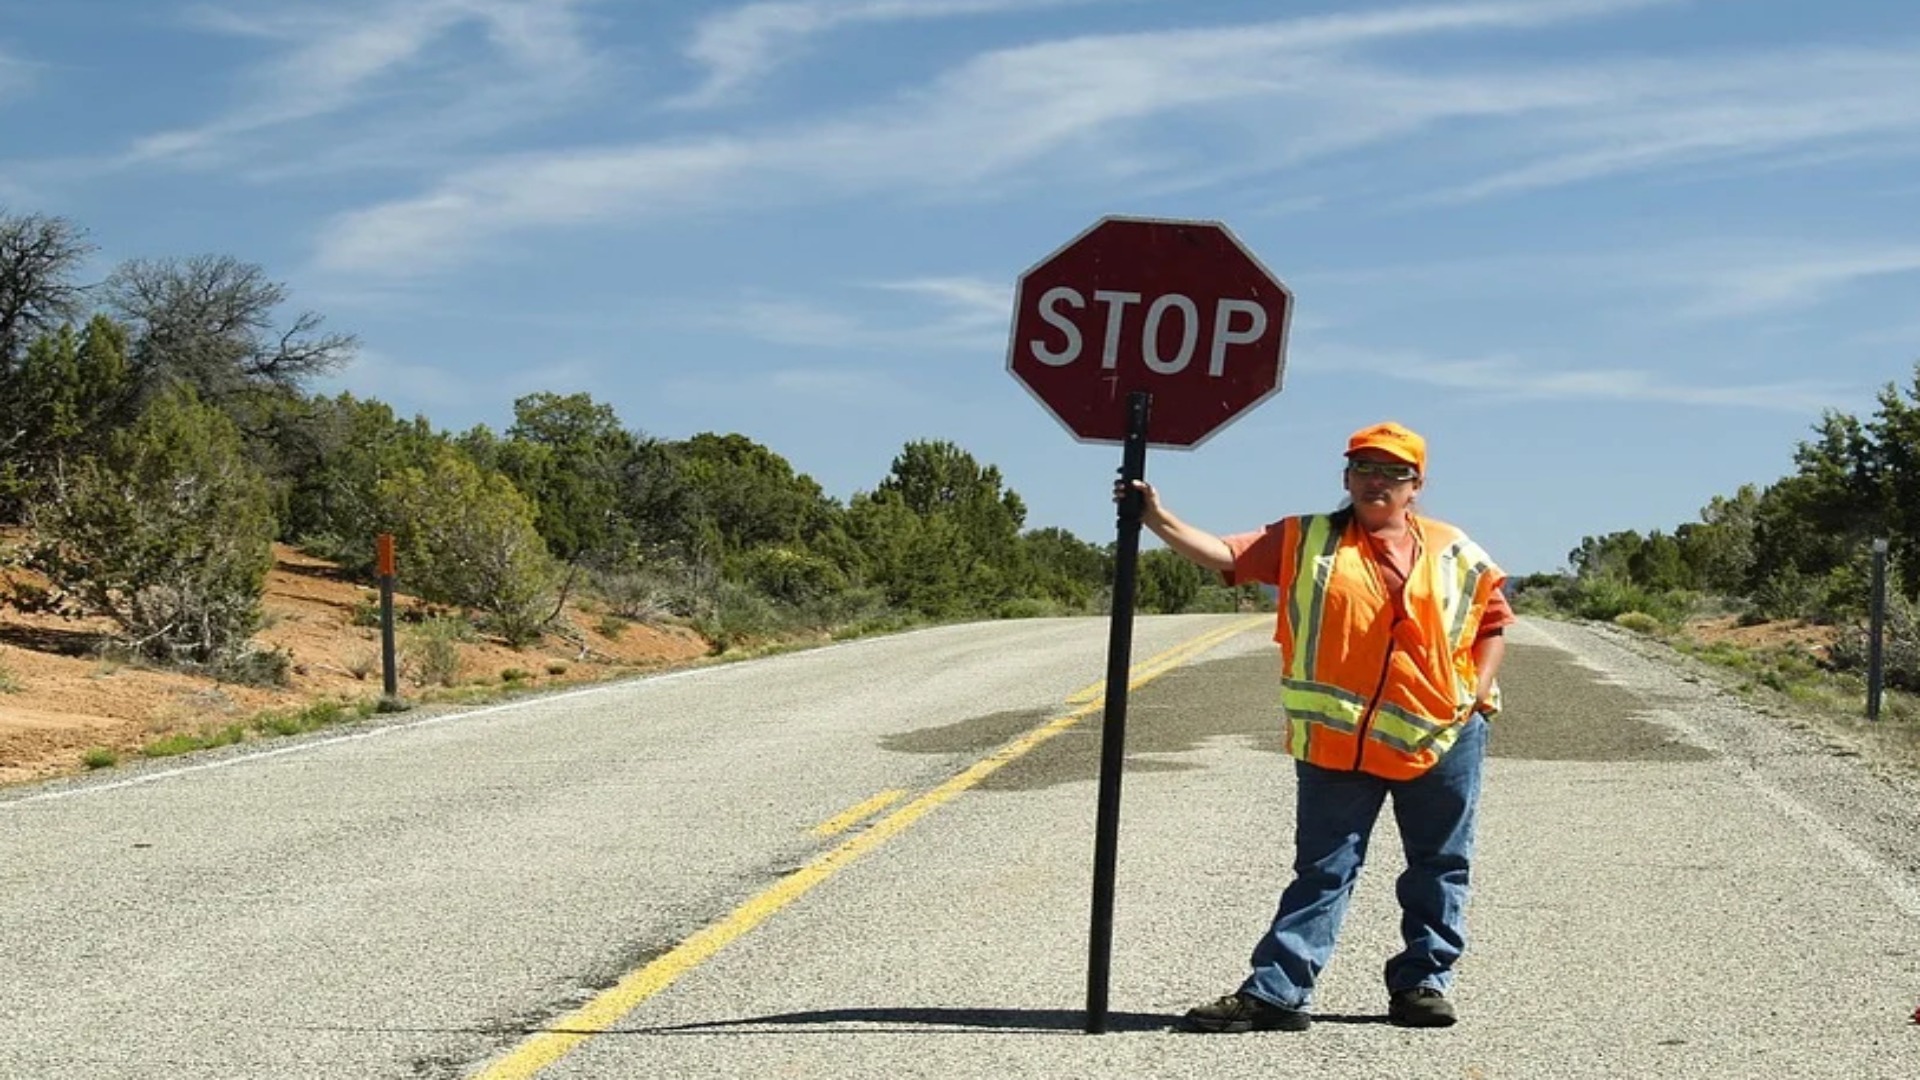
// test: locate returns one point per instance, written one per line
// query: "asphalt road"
(649, 880)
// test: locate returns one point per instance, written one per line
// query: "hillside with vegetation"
(167, 476)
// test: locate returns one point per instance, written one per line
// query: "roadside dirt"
(1811, 638)
(58, 699)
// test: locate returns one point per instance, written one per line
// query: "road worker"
(1390, 632)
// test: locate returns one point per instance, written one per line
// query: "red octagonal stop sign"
(1176, 308)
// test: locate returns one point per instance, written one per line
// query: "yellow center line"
(1168, 657)
(599, 1015)
(853, 815)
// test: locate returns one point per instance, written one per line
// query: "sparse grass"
(611, 626)
(515, 675)
(364, 665)
(311, 718)
(273, 722)
(1720, 653)
(186, 742)
(9, 682)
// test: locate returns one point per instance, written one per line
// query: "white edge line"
(1811, 823)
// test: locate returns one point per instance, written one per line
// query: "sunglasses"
(1396, 471)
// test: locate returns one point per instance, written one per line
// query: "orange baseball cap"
(1395, 439)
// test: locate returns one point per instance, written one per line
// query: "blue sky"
(1613, 257)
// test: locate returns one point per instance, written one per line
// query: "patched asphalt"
(1556, 709)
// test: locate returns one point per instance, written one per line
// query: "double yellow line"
(604, 1011)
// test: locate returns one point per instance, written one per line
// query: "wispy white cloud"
(336, 59)
(404, 237)
(1905, 336)
(970, 301)
(738, 47)
(984, 121)
(964, 313)
(1810, 106)
(1723, 279)
(16, 76)
(1772, 281)
(1123, 111)
(1509, 378)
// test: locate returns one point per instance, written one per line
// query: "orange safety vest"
(1369, 685)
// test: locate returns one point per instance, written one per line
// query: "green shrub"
(257, 667)
(1637, 621)
(1028, 607)
(432, 653)
(1605, 597)
(786, 575)
(100, 758)
(842, 608)
(1900, 645)
(167, 533)
(1215, 599)
(739, 617)
(1785, 594)
(646, 593)
(467, 537)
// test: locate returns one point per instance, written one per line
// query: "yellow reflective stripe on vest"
(1310, 704)
(1408, 732)
(1312, 572)
(1320, 703)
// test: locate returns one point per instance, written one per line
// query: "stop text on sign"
(1170, 333)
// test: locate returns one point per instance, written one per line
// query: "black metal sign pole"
(1113, 731)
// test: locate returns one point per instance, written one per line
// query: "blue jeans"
(1334, 816)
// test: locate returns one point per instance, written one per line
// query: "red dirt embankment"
(58, 699)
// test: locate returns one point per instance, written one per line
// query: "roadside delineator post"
(389, 667)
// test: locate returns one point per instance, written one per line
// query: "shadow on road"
(1025, 1020)
(1063, 1021)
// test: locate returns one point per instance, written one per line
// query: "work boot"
(1240, 1011)
(1422, 1007)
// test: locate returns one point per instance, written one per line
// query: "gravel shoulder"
(1831, 770)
